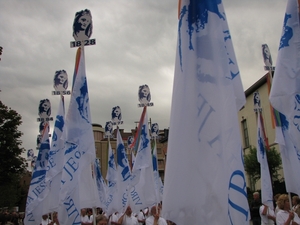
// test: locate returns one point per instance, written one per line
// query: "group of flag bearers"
(209, 186)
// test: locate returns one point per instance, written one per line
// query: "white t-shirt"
(161, 221)
(264, 218)
(129, 220)
(84, 219)
(113, 218)
(282, 216)
(46, 221)
(141, 216)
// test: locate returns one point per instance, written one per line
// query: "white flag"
(157, 180)
(285, 91)
(101, 185)
(123, 174)
(78, 188)
(290, 157)
(205, 181)
(55, 161)
(37, 189)
(142, 194)
(112, 203)
(266, 184)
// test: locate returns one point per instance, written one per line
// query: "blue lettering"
(237, 192)
(71, 209)
(30, 217)
(135, 197)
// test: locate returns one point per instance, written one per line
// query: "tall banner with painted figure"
(209, 186)
(285, 92)
(101, 185)
(37, 189)
(142, 193)
(78, 188)
(112, 203)
(266, 184)
(55, 162)
(123, 174)
(159, 188)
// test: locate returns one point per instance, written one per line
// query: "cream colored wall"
(251, 117)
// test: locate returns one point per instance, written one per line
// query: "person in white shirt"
(84, 218)
(267, 215)
(284, 215)
(127, 218)
(155, 218)
(45, 220)
(113, 219)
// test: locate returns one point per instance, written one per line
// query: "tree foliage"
(12, 164)
(252, 166)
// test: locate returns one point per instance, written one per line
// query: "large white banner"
(205, 181)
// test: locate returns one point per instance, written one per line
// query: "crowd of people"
(284, 213)
(144, 217)
(11, 218)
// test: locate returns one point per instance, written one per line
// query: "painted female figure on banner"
(108, 129)
(83, 25)
(30, 154)
(256, 101)
(42, 126)
(154, 130)
(144, 94)
(44, 108)
(267, 56)
(60, 80)
(116, 115)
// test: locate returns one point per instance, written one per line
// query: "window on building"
(245, 134)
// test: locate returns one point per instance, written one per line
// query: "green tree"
(252, 166)
(12, 164)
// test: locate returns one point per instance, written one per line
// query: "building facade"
(101, 145)
(248, 121)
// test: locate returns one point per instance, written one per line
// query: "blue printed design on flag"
(197, 18)
(144, 140)
(123, 162)
(154, 161)
(59, 124)
(261, 145)
(287, 32)
(296, 120)
(83, 102)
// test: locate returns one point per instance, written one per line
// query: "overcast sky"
(136, 45)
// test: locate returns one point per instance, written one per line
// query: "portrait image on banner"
(130, 140)
(30, 154)
(256, 101)
(154, 130)
(83, 25)
(144, 94)
(267, 56)
(60, 81)
(42, 126)
(116, 115)
(44, 108)
(109, 129)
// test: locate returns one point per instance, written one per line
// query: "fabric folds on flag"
(55, 161)
(285, 91)
(78, 187)
(290, 157)
(142, 192)
(123, 174)
(112, 202)
(37, 189)
(205, 181)
(266, 184)
(157, 180)
(101, 185)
